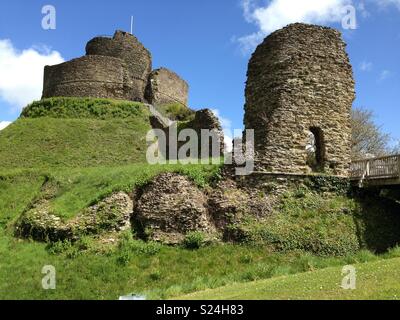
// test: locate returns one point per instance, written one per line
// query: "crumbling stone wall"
(166, 87)
(170, 207)
(300, 80)
(206, 120)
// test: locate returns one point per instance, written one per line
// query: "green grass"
(76, 189)
(310, 222)
(16, 192)
(325, 224)
(87, 270)
(112, 135)
(92, 270)
(375, 280)
(86, 149)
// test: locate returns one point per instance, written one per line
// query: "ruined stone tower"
(300, 85)
(136, 57)
(117, 67)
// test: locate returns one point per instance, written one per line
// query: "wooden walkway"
(383, 171)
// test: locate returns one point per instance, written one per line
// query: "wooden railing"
(376, 168)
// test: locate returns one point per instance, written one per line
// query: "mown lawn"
(377, 280)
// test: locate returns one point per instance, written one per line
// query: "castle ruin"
(166, 87)
(300, 86)
(116, 68)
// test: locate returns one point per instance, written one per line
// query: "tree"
(396, 148)
(368, 139)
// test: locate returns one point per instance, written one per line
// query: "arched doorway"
(315, 149)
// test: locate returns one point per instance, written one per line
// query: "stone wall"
(300, 79)
(166, 87)
(206, 120)
(89, 76)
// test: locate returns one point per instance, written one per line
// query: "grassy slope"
(78, 138)
(135, 267)
(91, 148)
(375, 280)
(78, 188)
(88, 270)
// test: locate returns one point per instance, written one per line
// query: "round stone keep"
(300, 81)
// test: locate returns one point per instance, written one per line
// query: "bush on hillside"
(177, 112)
(78, 108)
(194, 240)
(306, 221)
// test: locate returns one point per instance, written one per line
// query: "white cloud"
(361, 8)
(384, 75)
(386, 3)
(366, 66)
(21, 73)
(227, 128)
(4, 124)
(279, 13)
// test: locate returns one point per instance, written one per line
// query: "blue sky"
(207, 42)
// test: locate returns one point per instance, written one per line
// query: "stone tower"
(128, 48)
(116, 68)
(300, 88)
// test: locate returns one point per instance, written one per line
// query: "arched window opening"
(316, 150)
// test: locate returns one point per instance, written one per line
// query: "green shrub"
(326, 183)
(129, 248)
(194, 240)
(155, 275)
(124, 258)
(84, 243)
(177, 112)
(306, 221)
(66, 248)
(59, 247)
(78, 108)
(393, 253)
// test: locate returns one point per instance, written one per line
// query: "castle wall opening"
(316, 150)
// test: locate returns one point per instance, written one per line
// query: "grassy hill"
(87, 149)
(375, 280)
(72, 132)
